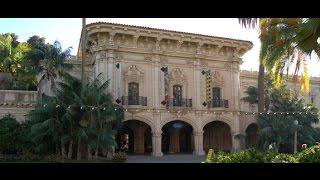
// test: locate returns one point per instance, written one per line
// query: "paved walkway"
(176, 158)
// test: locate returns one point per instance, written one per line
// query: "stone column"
(174, 146)
(197, 86)
(156, 80)
(110, 71)
(235, 142)
(156, 144)
(118, 80)
(198, 143)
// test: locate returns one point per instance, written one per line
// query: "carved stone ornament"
(227, 65)
(134, 73)
(177, 77)
(148, 59)
(217, 78)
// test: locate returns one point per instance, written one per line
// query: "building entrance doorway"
(134, 137)
(177, 138)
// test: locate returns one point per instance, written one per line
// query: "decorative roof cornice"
(241, 46)
(163, 30)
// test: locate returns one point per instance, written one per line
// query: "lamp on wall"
(117, 65)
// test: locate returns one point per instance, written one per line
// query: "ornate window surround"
(134, 74)
(177, 77)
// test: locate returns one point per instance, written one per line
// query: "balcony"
(135, 101)
(219, 103)
(180, 102)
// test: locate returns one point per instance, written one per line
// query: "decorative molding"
(148, 59)
(227, 65)
(133, 74)
(217, 78)
(177, 77)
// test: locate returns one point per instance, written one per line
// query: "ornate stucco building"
(181, 91)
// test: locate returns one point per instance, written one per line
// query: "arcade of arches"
(217, 136)
(252, 134)
(136, 137)
(177, 137)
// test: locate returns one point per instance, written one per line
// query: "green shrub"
(9, 157)
(285, 158)
(248, 156)
(222, 157)
(27, 156)
(119, 157)
(245, 156)
(54, 158)
(310, 155)
(9, 135)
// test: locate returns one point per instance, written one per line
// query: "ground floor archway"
(177, 137)
(134, 137)
(252, 135)
(217, 136)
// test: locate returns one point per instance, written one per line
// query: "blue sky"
(67, 31)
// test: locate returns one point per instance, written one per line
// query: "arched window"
(216, 93)
(216, 97)
(133, 93)
(177, 95)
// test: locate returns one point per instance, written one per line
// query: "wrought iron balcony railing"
(218, 103)
(134, 100)
(180, 102)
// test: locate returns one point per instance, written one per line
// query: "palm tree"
(280, 127)
(47, 131)
(11, 55)
(251, 23)
(100, 117)
(284, 41)
(252, 93)
(84, 36)
(51, 63)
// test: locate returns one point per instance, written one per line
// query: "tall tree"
(285, 41)
(11, 53)
(251, 23)
(84, 43)
(51, 60)
(280, 127)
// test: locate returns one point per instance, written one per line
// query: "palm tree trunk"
(261, 88)
(83, 50)
(96, 154)
(78, 150)
(70, 150)
(89, 154)
(63, 150)
(57, 148)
